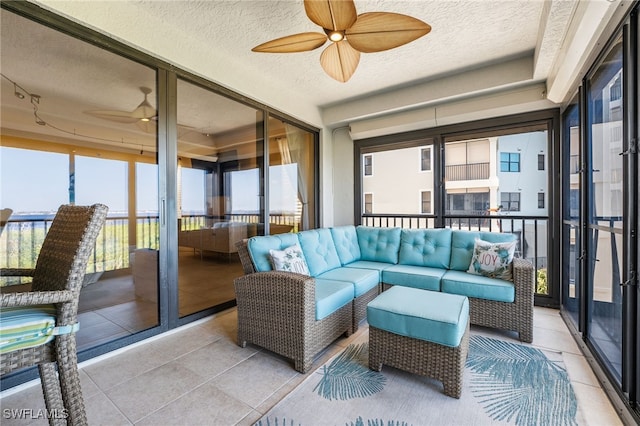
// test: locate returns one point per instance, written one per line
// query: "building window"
(425, 202)
(368, 203)
(509, 162)
(510, 201)
(368, 165)
(541, 200)
(540, 161)
(425, 159)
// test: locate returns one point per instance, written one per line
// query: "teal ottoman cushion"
(478, 286)
(421, 314)
(413, 276)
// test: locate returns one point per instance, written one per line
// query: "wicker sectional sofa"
(297, 315)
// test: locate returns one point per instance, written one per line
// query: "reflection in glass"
(606, 209)
(81, 145)
(219, 193)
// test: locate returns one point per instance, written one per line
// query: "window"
(368, 203)
(540, 161)
(425, 202)
(541, 200)
(368, 165)
(425, 159)
(509, 162)
(510, 201)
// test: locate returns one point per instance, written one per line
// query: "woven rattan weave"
(57, 278)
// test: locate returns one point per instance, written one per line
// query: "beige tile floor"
(197, 375)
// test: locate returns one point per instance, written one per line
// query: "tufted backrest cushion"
(462, 243)
(346, 241)
(319, 251)
(260, 246)
(379, 244)
(425, 247)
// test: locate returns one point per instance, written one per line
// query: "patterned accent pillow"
(492, 260)
(290, 259)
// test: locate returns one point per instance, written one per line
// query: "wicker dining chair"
(57, 280)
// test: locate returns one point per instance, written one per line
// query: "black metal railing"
(531, 233)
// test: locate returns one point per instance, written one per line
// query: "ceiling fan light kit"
(349, 33)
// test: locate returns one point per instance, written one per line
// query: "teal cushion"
(366, 264)
(331, 296)
(363, 280)
(425, 247)
(462, 243)
(26, 327)
(421, 277)
(319, 251)
(421, 314)
(379, 244)
(259, 248)
(478, 286)
(346, 241)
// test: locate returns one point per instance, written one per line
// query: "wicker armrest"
(35, 298)
(523, 278)
(17, 272)
(283, 292)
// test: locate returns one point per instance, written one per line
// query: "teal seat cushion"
(367, 264)
(319, 251)
(26, 327)
(462, 243)
(346, 241)
(421, 314)
(331, 295)
(425, 247)
(378, 244)
(421, 277)
(363, 280)
(259, 247)
(478, 286)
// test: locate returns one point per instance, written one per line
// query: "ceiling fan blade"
(378, 31)
(340, 60)
(302, 42)
(331, 14)
(117, 116)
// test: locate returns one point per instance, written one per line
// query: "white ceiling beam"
(554, 24)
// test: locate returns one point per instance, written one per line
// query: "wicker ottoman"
(422, 332)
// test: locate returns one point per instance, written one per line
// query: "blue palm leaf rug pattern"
(504, 383)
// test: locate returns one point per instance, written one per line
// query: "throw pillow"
(290, 259)
(492, 260)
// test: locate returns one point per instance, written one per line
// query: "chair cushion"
(462, 243)
(478, 286)
(421, 277)
(319, 250)
(346, 241)
(379, 244)
(362, 280)
(331, 295)
(367, 264)
(425, 247)
(421, 314)
(260, 246)
(26, 327)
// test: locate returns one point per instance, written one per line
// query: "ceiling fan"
(349, 33)
(141, 116)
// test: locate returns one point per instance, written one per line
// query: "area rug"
(504, 383)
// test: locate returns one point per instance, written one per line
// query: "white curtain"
(295, 150)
